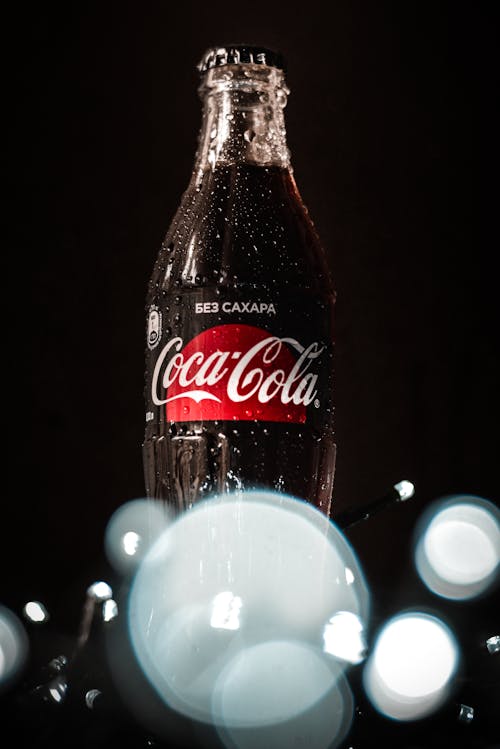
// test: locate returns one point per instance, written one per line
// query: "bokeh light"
(100, 591)
(405, 489)
(228, 613)
(457, 547)
(275, 694)
(493, 644)
(410, 671)
(13, 647)
(109, 610)
(35, 611)
(131, 531)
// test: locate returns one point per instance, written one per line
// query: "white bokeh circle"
(232, 575)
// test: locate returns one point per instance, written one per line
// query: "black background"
(389, 124)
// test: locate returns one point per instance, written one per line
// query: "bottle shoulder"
(243, 225)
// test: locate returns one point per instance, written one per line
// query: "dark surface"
(391, 131)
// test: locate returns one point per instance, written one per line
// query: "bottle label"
(250, 367)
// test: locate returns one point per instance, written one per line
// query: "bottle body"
(239, 372)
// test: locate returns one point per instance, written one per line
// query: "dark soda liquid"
(242, 234)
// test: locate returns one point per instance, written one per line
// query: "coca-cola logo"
(236, 372)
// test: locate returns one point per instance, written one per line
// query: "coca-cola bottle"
(239, 308)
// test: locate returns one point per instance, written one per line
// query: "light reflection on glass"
(343, 637)
(130, 542)
(349, 576)
(226, 611)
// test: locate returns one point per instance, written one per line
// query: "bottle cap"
(234, 54)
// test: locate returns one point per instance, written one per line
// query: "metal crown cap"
(234, 54)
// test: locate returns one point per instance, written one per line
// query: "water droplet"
(466, 714)
(58, 664)
(493, 644)
(56, 690)
(91, 697)
(281, 98)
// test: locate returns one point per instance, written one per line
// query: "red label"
(236, 372)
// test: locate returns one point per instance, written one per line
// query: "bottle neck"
(243, 120)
